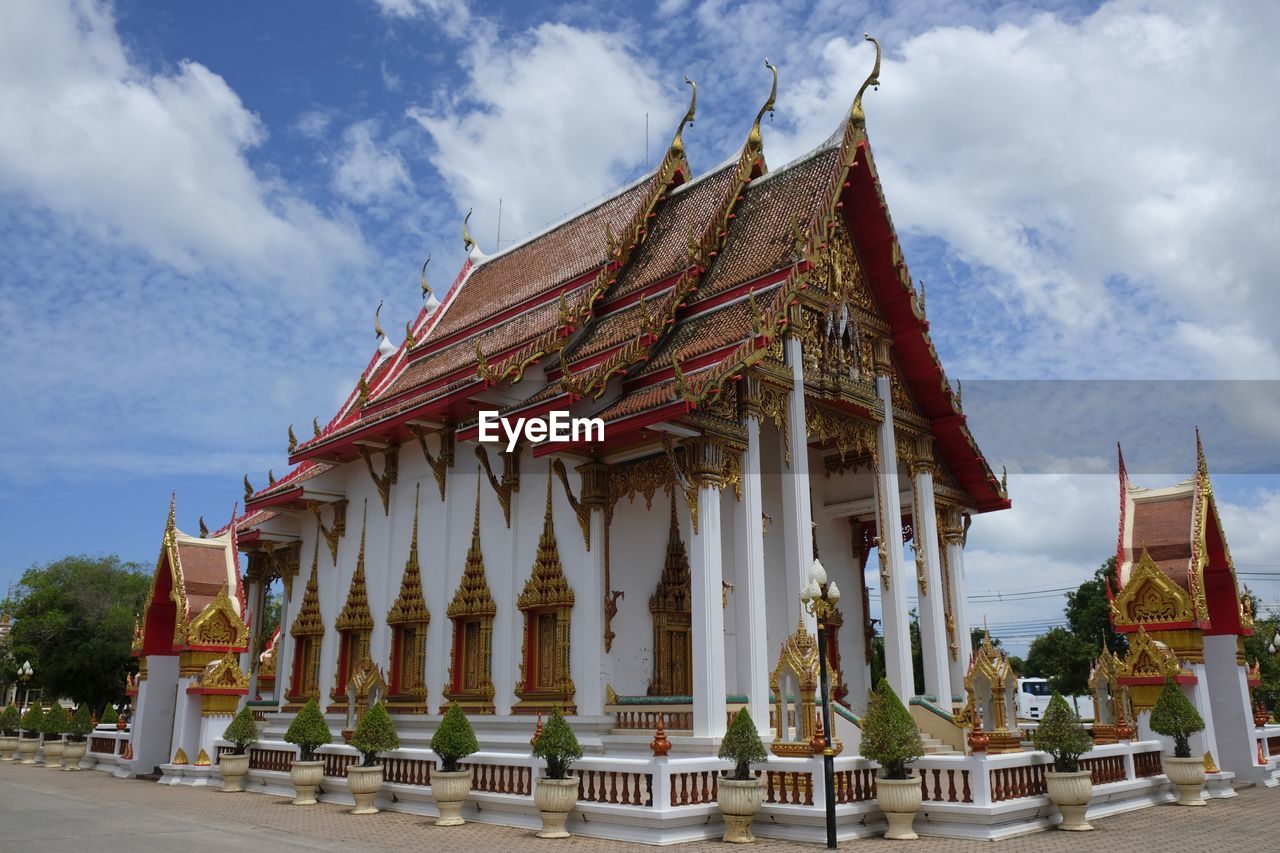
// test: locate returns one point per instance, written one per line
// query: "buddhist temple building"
(752, 365)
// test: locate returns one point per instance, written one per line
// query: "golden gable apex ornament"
(1149, 597)
(309, 622)
(1148, 658)
(225, 673)
(219, 626)
(473, 597)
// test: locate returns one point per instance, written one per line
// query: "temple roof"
(654, 299)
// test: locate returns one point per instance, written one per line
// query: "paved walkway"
(47, 810)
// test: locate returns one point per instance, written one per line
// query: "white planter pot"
(73, 754)
(53, 753)
(27, 749)
(1071, 793)
(364, 784)
(739, 801)
(1188, 775)
(450, 790)
(8, 746)
(899, 799)
(234, 768)
(305, 776)
(555, 798)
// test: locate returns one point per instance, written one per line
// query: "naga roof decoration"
(1173, 566)
(411, 606)
(645, 307)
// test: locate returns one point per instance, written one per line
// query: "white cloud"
(390, 79)
(1110, 176)
(453, 16)
(313, 123)
(150, 160)
(546, 121)
(365, 171)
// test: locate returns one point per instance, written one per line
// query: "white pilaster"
(586, 653)
(894, 578)
(953, 537)
(706, 574)
(797, 516)
(750, 596)
(933, 626)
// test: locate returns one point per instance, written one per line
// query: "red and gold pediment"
(1148, 659)
(1151, 598)
(798, 655)
(218, 626)
(224, 674)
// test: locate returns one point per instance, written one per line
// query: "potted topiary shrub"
(891, 739)
(739, 794)
(308, 732)
(556, 793)
(109, 717)
(29, 734)
(453, 741)
(1061, 735)
(10, 723)
(374, 734)
(1174, 716)
(54, 725)
(241, 733)
(78, 728)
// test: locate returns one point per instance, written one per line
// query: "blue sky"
(201, 205)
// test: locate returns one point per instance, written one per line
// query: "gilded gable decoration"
(334, 532)
(390, 471)
(669, 607)
(510, 478)
(794, 683)
(408, 620)
(220, 686)
(219, 626)
(1150, 597)
(443, 460)
(308, 622)
(1145, 667)
(471, 611)
(308, 634)
(990, 686)
(545, 681)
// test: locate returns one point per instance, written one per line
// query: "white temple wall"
(1228, 690)
(638, 549)
(733, 564)
(781, 613)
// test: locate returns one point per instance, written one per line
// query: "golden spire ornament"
(467, 242)
(856, 115)
(754, 136)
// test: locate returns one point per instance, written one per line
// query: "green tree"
(80, 725)
(889, 735)
(558, 745)
(10, 722)
(1063, 658)
(308, 731)
(1174, 716)
(375, 734)
(1061, 735)
(270, 618)
(73, 619)
(454, 739)
(242, 731)
(1088, 610)
(742, 745)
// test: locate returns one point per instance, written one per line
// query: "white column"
(586, 654)
(750, 596)
(797, 517)
(953, 537)
(706, 601)
(933, 625)
(893, 575)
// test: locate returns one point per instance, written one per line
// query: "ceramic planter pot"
(1188, 775)
(364, 784)
(27, 749)
(53, 753)
(73, 753)
(450, 790)
(305, 776)
(8, 746)
(899, 799)
(234, 768)
(1071, 793)
(555, 798)
(739, 801)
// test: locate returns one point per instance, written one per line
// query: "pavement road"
(52, 811)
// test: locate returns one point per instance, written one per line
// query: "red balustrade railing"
(1147, 764)
(855, 786)
(647, 719)
(694, 788)
(1015, 783)
(103, 745)
(1104, 769)
(933, 789)
(336, 763)
(407, 771)
(271, 759)
(615, 787)
(788, 788)
(501, 778)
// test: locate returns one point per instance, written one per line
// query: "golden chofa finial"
(754, 136)
(467, 242)
(426, 288)
(293, 440)
(248, 488)
(677, 144)
(377, 326)
(856, 115)
(315, 426)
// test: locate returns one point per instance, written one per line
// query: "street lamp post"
(819, 598)
(24, 675)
